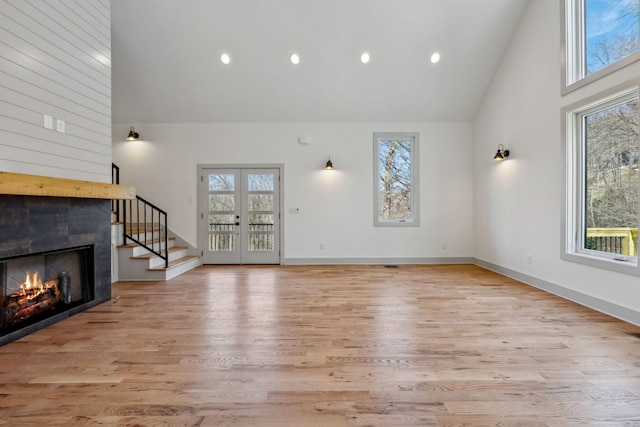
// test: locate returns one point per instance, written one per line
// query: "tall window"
(600, 37)
(396, 179)
(603, 207)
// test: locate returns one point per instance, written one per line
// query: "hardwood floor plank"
(326, 346)
(77, 379)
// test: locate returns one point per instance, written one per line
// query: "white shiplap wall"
(55, 60)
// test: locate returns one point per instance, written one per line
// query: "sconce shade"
(133, 135)
(501, 154)
(329, 165)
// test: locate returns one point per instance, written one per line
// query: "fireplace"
(62, 229)
(38, 286)
(62, 239)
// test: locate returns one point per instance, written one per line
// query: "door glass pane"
(260, 222)
(222, 182)
(221, 202)
(219, 242)
(261, 242)
(261, 182)
(222, 228)
(611, 179)
(222, 223)
(260, 202)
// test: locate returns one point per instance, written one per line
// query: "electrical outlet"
(529, 259)
(444, 245)
(322, 245)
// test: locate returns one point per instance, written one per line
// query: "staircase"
(137, 263)
(146, 249)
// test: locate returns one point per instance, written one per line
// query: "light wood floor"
(326, 346)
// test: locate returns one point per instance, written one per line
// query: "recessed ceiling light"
(295, 59)
(364, 58)
(435, 58)
(225, 58)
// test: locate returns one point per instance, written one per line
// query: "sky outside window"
(611, 32)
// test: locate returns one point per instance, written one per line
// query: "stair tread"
(175, 263)
(152, 255)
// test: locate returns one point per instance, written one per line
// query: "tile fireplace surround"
(50, 220)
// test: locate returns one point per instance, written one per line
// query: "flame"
(33, 286)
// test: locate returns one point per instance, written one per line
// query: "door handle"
(237, 223)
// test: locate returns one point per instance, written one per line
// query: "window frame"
(573, 46)
(414, 221)
(573, 245)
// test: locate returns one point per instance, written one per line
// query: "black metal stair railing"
(146, 225)
(115, 179)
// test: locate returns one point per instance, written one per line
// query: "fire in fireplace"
(34, 297)
(38, 286)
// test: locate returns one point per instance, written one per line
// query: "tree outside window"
(612, 166)
(396, 179)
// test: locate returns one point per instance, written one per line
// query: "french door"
(241, 218)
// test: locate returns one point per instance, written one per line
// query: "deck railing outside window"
(226, 241)
(622, 241)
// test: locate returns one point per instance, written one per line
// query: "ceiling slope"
(166, 59)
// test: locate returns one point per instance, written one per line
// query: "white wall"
(336, 206)
(55, 60)
(518, 203)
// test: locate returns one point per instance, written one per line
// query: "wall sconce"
(133, 135)
(329, 165)
(502, 154)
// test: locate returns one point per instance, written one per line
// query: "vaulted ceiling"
(166, 59)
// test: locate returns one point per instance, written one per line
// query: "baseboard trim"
(377, 261)
(608, 308)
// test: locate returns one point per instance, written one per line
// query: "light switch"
(48, 122)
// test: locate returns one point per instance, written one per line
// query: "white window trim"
(573, 49)
(414, 221)
(572, 221)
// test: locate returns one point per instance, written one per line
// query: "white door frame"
(200, 184)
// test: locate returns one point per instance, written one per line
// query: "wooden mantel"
(33, 185)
